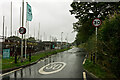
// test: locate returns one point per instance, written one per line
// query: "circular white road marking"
(52, 68)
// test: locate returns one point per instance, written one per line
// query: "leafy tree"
(109, 35)
(85, 12)
(14, 38)
(32, 39)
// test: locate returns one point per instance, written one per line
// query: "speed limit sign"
(96, 22)
(22, 30)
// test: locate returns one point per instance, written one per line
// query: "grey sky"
(53, 15)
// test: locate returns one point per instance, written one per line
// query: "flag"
(29, 13)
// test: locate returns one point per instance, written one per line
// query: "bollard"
(30, 56)
(91, 56)
(30, 53)
(15, 54)
(94, 58)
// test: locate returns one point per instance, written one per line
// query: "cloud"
(53, 15)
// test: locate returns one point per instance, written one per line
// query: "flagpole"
(11, 18)
(28, 30)
(20, 16)
(5, 32)
(25, 36)
(34, 32)
(39, 32)
(3, 26)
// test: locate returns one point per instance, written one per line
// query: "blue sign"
(53, 46)
(6, 53)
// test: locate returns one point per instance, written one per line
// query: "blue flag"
(29, 13)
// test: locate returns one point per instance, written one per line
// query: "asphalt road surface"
(66, 65)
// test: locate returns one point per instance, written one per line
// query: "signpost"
(6, 53)
(22, 30)
(96, 22)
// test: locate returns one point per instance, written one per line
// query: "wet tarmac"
(73, 68)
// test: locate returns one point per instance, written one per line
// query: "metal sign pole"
(96, 43)
(22, 48)
(96, 22)
(22, 34)
(96, 39)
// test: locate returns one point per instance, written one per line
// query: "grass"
(97, 70)
(9, 63)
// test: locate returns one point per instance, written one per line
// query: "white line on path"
(84, 76)
(53, 66)
(39, 62)
(11, 72)
(84, 61)
(46, 58)
(42, 60)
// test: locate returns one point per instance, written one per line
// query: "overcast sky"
(53, 15)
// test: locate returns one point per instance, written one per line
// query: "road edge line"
(84, 61)
(84, 76)
(10, 72)
(92, 75)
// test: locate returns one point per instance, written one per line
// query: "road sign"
(53, 46)
(52, 68)
(6, 53)
(22, 30)
(96, 22)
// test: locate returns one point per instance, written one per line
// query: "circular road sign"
(96, 22)
(22, 30)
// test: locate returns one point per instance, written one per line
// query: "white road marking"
(41, 70)
(46, 58)
(39, 62)
(84, 61)
(84, 76)
(11, 72)
(42, 60)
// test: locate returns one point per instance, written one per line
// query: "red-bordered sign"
(96, 22)
(22, 30)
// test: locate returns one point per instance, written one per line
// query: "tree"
(109, 35)
(85, 12)
(14, 38)
(31, 39)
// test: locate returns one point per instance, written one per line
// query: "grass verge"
(9, 63)
(97, 70)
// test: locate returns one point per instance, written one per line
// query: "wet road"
(72, 60)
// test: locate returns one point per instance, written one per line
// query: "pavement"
(66, 65)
